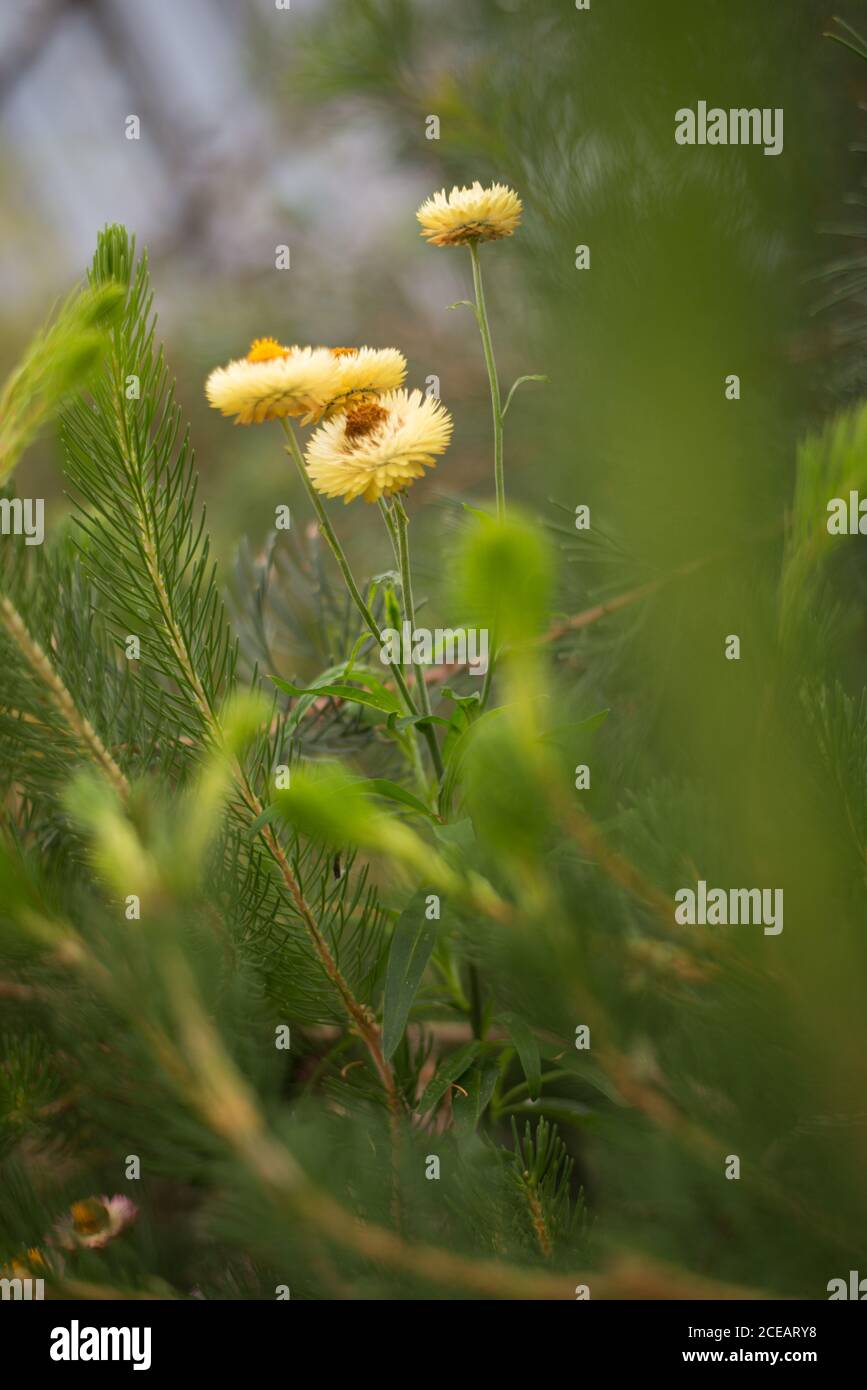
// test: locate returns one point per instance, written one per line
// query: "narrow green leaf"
(479, 1083)
(381, 786)
(560, 1108)
(527, 1048)
(380, 699)
(408, 721)
(478, 513)
(459, 751)
(516, 384)
(411, 947)
(452, 1069)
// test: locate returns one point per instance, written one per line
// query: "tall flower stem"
(354, 592)
(497, 412)
(401, 521)
(490, 363)
(391, 528)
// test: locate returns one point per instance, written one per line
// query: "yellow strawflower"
(378, 447)
(274, 381)
(470, 215)
(362, 375)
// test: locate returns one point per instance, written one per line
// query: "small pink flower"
(92, 1222)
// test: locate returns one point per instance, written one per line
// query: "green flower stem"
(496, 404)
(392, 530)
(497, 411)
(338, 552)
(354, 592)
(401, 521)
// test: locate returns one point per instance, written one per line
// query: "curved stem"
(490, 363)
(401, 521)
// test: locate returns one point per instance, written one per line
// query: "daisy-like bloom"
(378, 447)
(94, 1221)
(274, 381)
(470, 215)
(362, 375)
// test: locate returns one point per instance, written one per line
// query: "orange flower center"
(88, 1217)
(363, 420)
(266, 350)
(344, 352)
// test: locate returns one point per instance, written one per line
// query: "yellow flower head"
(362, 375)
(378, 447)
(267, 349)
(470, 214)
(274, 381)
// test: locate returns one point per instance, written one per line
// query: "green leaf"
(461, 700)
(452, 1069)
(515, 385)
(561, 1108)
(380, 699)
(479, 1084)
(456, 840)
(381, 786)
(408, 721)
(478, 513)
(411, 947)
(580, 726)
(459, 750)
(527, 1048)
(465, 713)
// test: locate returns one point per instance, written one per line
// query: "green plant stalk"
(490, 363)
(354, 591)
(486, 686)
(401, 522)
(390, 527)
(497, 413)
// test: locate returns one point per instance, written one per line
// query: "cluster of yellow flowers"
(374, 438)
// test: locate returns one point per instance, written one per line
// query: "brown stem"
(81, 728)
